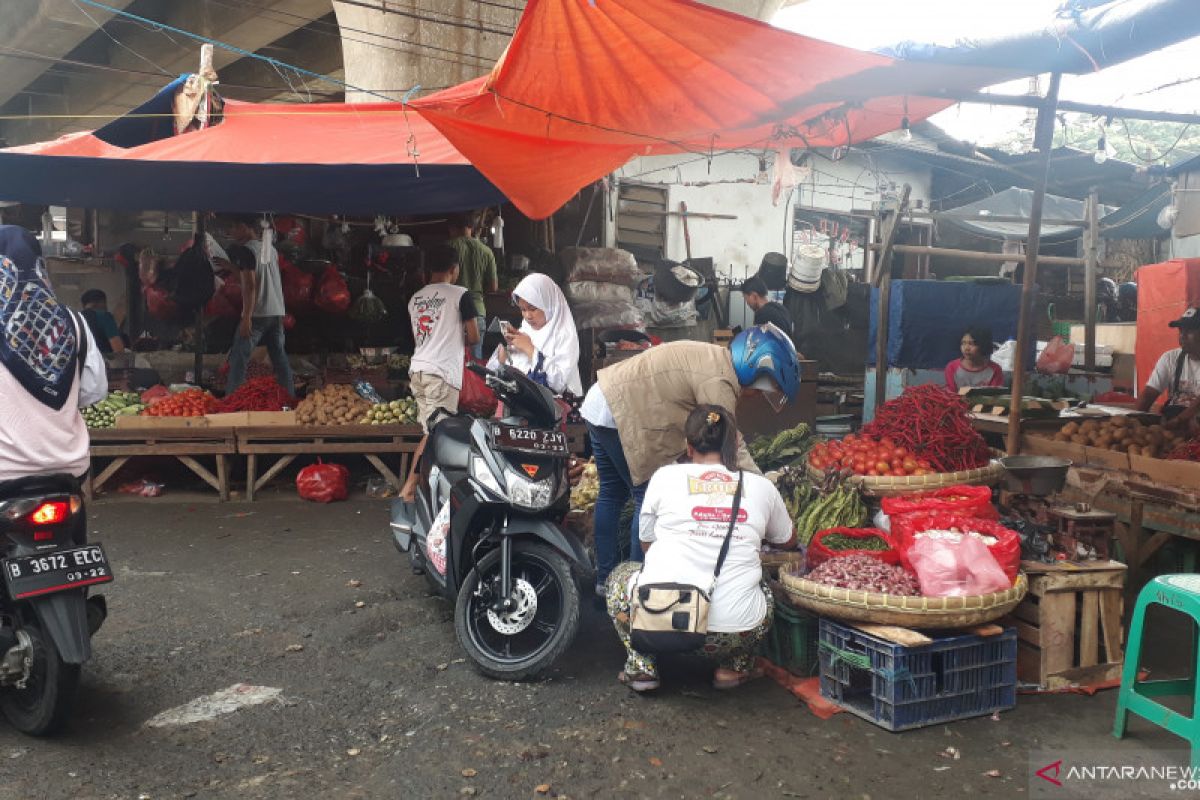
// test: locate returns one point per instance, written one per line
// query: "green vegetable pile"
(839, 541)
(786, 447)
(397, 412)
(840, 507)
(118, 404)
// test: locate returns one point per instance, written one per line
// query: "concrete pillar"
(391, 52)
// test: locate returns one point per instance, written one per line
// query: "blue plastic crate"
(898, 687)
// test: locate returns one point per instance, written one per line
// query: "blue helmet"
(765, 352)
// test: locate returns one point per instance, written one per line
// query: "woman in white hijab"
(547, 343)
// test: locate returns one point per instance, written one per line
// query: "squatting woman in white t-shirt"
(683, 523)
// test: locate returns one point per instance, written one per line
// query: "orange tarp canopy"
(585, 85)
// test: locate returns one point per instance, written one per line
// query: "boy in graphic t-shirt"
(443, 325)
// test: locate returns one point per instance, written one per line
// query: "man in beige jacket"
(635, 413)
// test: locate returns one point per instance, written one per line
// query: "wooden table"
(183, 444)
(288, 442)
(1149, 515)
(373, 442)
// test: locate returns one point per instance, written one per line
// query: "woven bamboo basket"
(909, 612)
(912, 484)
(772, 562)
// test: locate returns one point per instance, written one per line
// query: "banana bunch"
(118, 404)
(397, 412)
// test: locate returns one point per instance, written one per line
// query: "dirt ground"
(376, 701)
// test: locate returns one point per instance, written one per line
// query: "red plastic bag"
(297, 287)
(1006, 549)
(323, 483)
(475, 397)
(970, 501)
(962, 568)
(159, 303)
(1057, 358)
(818, 553)
(333, 295)
(227, 301)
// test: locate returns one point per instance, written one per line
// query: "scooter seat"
(450, 442)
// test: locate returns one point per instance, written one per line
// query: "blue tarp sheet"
(927, 319)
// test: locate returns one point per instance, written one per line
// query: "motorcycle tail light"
(50, 513)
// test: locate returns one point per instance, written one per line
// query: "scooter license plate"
(530, 440)
(32, 576)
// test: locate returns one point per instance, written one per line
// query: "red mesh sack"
(323, 483)
(475, 397)
(333, 295)
(971, 501)
(1006, 549)
(227, 302)
(818, 553)
(159, 303)
(297, 287)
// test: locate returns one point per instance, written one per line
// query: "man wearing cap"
(1178, 374)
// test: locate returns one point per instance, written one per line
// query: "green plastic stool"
(1179, 593)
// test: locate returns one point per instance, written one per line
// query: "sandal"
(640, 682)
(733, 683)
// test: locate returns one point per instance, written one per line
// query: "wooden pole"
(198, 362)
(1024, 101)
(1043, 141)
(883, 279)
(1092, 259)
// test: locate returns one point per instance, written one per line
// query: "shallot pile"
(865, 574)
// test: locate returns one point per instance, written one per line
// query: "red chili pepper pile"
(257, 394)
(932, 422)
(1188, 451)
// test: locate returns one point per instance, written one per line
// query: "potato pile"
(1121, 434)
(337, 404)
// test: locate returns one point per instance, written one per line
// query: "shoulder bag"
(673, 617)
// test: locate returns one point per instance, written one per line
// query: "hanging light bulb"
(906, 128)
(1101, 150)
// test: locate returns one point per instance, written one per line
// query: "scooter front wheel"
(521, 642)
(43, 706)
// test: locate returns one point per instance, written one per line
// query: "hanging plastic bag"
(368, 308)
(962, 567)
(297, 287)
(333, 295)
(1056, 358)
(1004, 544)
(323, 483)
(475, 397)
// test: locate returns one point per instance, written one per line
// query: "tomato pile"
(864, 456)
(189, 403)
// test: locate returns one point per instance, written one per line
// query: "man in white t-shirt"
(1177, 374)
(257, 263)
(443, 326)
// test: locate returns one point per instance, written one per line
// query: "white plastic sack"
(607, 315)
(602, 264)
(596, 292)
(663, 315)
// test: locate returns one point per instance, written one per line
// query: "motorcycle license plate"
(530, 440)
(32, 576)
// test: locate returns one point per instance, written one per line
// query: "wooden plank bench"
(1071, 614)
(184, 444)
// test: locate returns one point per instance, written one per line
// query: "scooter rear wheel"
(520, 644)
(45, 704)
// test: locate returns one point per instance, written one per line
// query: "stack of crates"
(899, 687)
